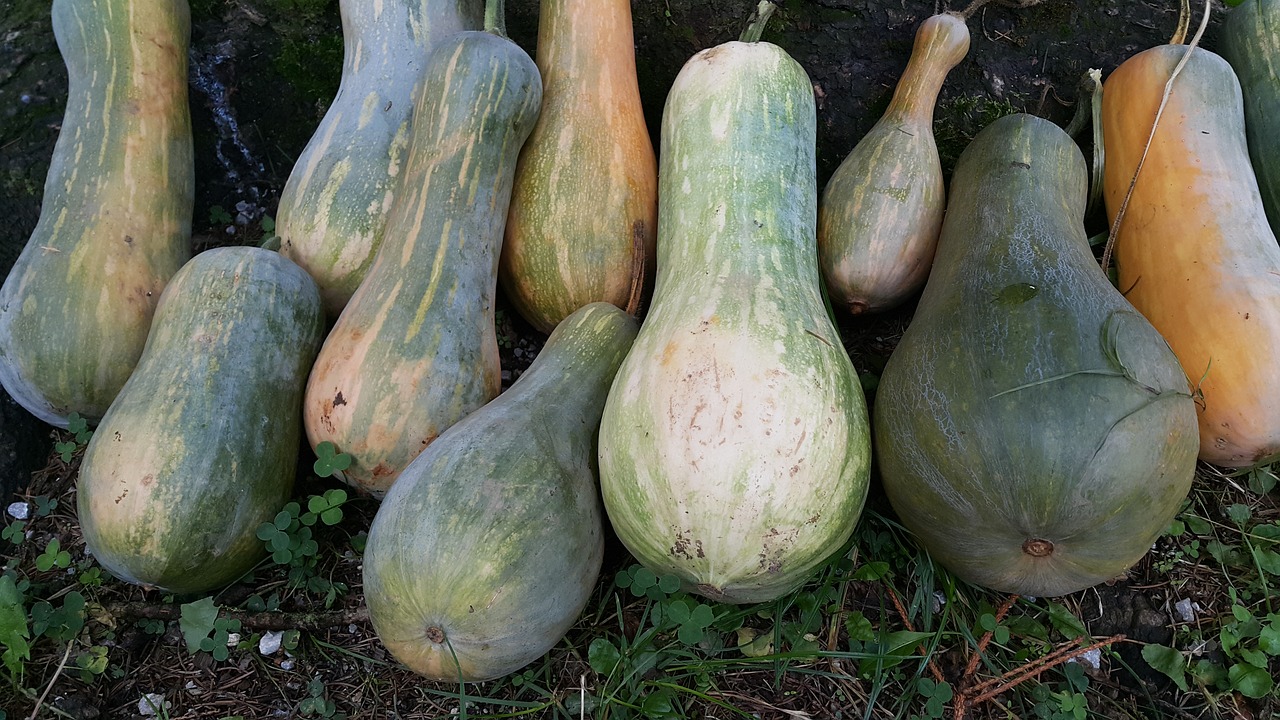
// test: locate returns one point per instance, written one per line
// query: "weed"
(80, 435)
(290, 540)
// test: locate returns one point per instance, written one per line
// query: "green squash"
(334, 207)
(200, 446)
(489, 544)
(115, 220)
(1250, 41)
(735, 445)
(1032, 429)
(415, 350)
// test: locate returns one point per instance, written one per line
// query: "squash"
(415, 350)
(584, 209)
(115, 221)
(735, 444)
(1194, 252)
(1032, 429)
(1249, 39)
(199, 448)
(334, 207)
(881, 211)
(489, 545)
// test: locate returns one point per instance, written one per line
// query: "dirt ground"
(263, 71)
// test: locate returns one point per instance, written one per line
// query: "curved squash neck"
(941, 43)
(585, 38)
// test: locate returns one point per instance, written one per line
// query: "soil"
(262, 74)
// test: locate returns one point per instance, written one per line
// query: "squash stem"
(756, 27)
(495, 17)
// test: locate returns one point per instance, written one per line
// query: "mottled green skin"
(200, 446)
(1250, 42)
(735, 448)
(490, 543)
(333, 209)
(415, 350)
(115, 221)
(1005, 414)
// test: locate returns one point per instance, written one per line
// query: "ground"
(262, 73)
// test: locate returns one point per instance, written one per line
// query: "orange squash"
(881, 212)
(583, 218)
(1194, 251)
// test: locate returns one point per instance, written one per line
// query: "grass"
(879, 632)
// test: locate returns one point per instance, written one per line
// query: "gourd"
(115, 220)
(880, 213)
(334, 206)
(583, 212)
(199, 448)
(489, 545)
(1032, 429)
(1249, 39)
(415, 350)
(1194, 252)
(735, 443)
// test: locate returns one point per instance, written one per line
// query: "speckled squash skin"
(1032, 429)
(489, 544)
(200, 446)
(584, 211)
(1194, 252)
(415, 350)
(334, 207)
(880, 214)
(115, 219)
(1249, 40)
(735, 448)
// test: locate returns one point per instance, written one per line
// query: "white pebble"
(233, 639)
(1186, 610)
(152, 704)
(286, 665)
(270, 642)
(19, 510)
(1091, 660)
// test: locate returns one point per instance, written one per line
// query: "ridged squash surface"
(583, 216)
(415, 350)
(200, 447)
(1032, 429)
(334, 207)
(1194, 252)
(488, 546)
(735, 449)
(115, 218)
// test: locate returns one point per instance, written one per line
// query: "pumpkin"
(115, 220)
(1194, 252)
(200, 447)
(881, 211)
(1249, 40)
(735, 443)
(334, 207)
(485, 551)
(1032, 429)
(415, 350)
(583, 212)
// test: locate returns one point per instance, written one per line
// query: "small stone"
(231, 229)
(233, 639)
(939, 600)
(286, 665)
(25, 98)
(192, 688)
(270, 642)
(152, 703)
(1186, 610)
(1091, 660)
(19, 510)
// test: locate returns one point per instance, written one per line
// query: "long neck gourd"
(115, 219)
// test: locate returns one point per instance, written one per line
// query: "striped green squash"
(415, 349)
(880, 213)
(735, 448)
(1033, 430)
(199, 449)
(334, 207)
(584, 207)
(115, 220)
(1250, 41)
(489, 544)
